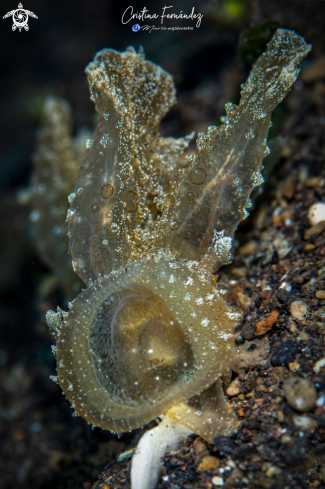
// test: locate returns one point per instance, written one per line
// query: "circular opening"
(138, 348)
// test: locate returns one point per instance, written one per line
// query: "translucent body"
(110, 220)
(56, 164)
(151, 332)
(211, 198)
(151, 344)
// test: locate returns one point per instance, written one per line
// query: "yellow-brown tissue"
(56, 164)
(151, 334)
(112, 217)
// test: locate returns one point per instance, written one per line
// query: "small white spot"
(205, 322)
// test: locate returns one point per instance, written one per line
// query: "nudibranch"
(151, 335)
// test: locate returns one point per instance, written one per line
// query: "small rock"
(247, 248)
(315, 229)
(281, 245)
(294, 366)
(248, 332)
(225, 445)
(235, 477)
(289, 188)
(316, 213)
(310, 247)
(239, 272)
(313, 285)
(245, 301)
(234, 388)
(298, 279)
(283, 295)
(251, 354)
(286, 438)
(265, 324)
(217, 481)
(298, 310)
(321, 401)
(303, 336)
(199, 445)
(280, 416)
(273, 471)
(208, 463)
(321, 314)
(320, 294)
(305, 423)
(315, 182)
(285, 353)
(300, 393)
(319, 365)
(292, 327)
(239, 340)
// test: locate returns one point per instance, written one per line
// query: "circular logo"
(136, 28)
(20, 18)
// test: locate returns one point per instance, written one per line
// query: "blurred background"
(42, 445)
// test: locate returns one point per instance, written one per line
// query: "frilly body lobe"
(56, 164)
(134, 345)
(151, 334)
(112, 217)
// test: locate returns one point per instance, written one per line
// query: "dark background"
(41, 444)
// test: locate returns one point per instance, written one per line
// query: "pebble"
(234, 388)
(282, 246)
(319, 365)
(315, 182)
(208, 463)
(247, 248)
(294, 366)
(251, 354)
(321, 401)
(316, 213)
(310, 247)
(273, 471)
(280, 416)
(320, 294)
(305, 423)
(298, 310)
(217, 481)
(300, 393)
(303, 336)
(239, 272)
(298, 279)
(248, 332)
(315, 229)
(224, 444)
(292, 327)
(285, 353)
(265, 324)
(289, 188)
(245, 301)
(199, 445)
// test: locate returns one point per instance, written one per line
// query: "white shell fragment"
(316, 213)
(146, 462)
